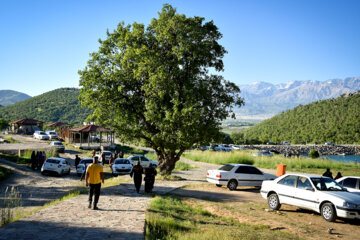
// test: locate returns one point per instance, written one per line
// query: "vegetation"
(11, 201)
(3, 124)
(334, 120)
(11, 140)
(25, 157)
(4, 173)
(58, 105)
(154, 84)
(220, 157)
(314, 154)
(171, 218)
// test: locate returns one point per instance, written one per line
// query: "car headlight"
(351, 205)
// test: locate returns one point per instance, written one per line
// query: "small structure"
(26, 126)
(90, 135)
(62, 128)
(58, 125)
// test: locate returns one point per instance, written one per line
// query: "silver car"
(121, 166)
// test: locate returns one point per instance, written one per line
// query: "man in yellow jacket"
(94, 176)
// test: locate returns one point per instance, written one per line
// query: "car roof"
(348, 177)
(56, 158)
(303, 175)
(240, 164)
(56, 142)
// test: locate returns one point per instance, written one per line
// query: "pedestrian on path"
(33, 160)
(137, 171)
(94, 176)
(77, 161)
(149, 178)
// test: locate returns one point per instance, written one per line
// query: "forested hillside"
(334, 120)
(58, 105)
(8, 97)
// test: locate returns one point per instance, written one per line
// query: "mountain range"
(8, 97)
(265, 100)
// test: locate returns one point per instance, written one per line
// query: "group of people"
(149, 178)
(37, 159)
(94, 176)
(328, 173)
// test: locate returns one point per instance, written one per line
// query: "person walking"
(94, 178)
(137, 171)
(33, 160)
(77, 161)
(149, 178)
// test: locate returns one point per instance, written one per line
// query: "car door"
(134, 159)
(248, 176)
(285, 189)
(305, 195)
(351, 184)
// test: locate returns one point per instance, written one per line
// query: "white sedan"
(82, 166)
(351, 183)
(121, 166)
(317, 193)
(56, 165)
(234, 175)
(41, 135)
(144, 161)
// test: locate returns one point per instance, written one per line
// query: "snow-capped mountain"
(263, 98)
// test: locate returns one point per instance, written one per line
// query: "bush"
(314, 154)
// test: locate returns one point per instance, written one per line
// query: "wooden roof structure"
(27, 121)
(58, 124)
(90, 128)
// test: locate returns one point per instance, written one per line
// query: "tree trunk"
(167, 161)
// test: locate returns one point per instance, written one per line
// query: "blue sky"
(43, 44)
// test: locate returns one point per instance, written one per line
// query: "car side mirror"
(309, 189)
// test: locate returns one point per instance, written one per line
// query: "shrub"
(314, 153)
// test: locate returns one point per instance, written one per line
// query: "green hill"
(8, 97)
(58, 105)
(334, 120)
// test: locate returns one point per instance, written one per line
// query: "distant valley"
(264, 100)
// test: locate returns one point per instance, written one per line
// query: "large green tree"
(158, 84)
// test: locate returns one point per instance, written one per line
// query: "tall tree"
(156, 84)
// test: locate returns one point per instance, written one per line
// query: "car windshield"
(122, 161)
(42, 133)
(57, 143)
(326, 184)
(52, 161)
(226, 167)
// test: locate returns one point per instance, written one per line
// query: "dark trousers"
(137, 182)
(94, 189)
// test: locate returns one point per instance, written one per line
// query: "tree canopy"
(157, 84)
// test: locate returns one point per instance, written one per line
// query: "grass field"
(170, 217)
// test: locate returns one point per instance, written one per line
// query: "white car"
(52, 134)
(82, 166)
(56, 165)
(351, 183)
(108, 156)
(234, 175)
(237, 147)
(41, 135)
(223, 147)
(285, 143)
(144, 161)
(317, 193)
(59, 146)
(121, 166)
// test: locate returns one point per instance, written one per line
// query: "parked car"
(58, 146)
(351, 183)
(285, 143)
(81, 167)
(144, 161)
(41, 135)
(237, 147)
(263, 153)
(223, 147)
(317, 193)
(108, 156)
(234, 175)
(329, 144)
(270, 143)
(56, 165)
(121, 166)
(52, 134)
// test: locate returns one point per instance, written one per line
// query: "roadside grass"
(220, 157)
(12, 210)
(171, 218)
(4, 173)
(293, 164)
(11, 140)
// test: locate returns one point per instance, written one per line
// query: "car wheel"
(328, 212)
(218, 185)
(79, 174)
(61, 173)
(273, 202)
(232, 185)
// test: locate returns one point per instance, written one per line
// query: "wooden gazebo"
(26, 125)
(89, 134)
